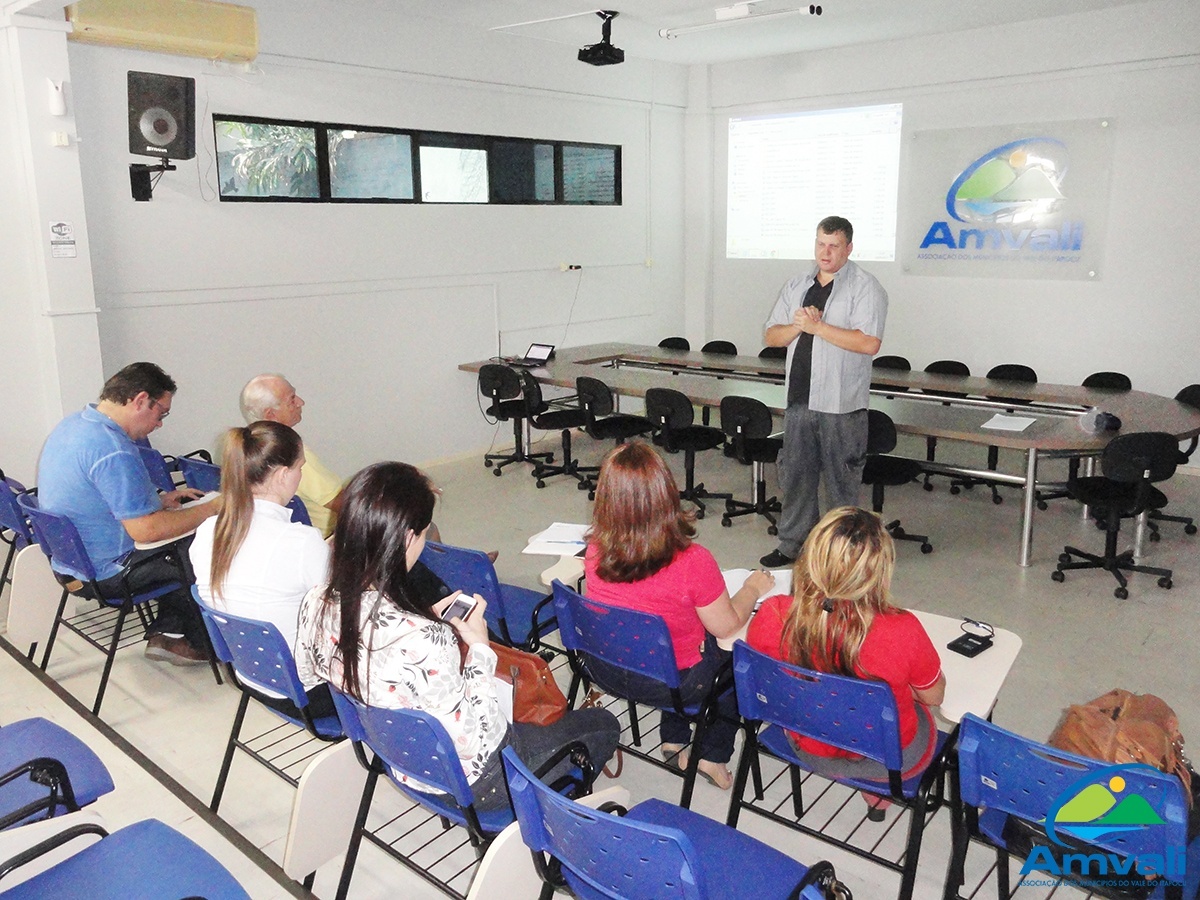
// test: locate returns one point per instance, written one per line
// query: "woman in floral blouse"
(403, 656)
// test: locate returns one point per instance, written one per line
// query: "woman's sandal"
(681, 760)
(670, 754)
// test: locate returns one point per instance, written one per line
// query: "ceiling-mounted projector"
(603, 53)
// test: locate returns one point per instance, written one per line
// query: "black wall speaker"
(162, 115)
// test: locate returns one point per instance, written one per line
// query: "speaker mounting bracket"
(139, 178)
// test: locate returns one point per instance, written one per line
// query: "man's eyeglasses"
(162, 411)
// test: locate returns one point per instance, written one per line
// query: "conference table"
(919, 403)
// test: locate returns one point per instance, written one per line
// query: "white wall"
(369, 308)
(1137, 66)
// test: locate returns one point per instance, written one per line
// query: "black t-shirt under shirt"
(801, 374)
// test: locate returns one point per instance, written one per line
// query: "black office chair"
(748, 425)
(882, 471)
(1191, 396)
(1132, 465)
(773, 353)
(720, 348)
(1098, 381)
(675, 343)
(1010, 372)
(502, 386)
(895, 364)
(941, 367)
(672, 415)
(544, 418)
(602, 422)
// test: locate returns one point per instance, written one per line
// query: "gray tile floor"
(1078, 641)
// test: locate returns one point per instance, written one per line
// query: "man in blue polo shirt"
(91, 471)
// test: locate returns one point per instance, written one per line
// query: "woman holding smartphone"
(374, 637)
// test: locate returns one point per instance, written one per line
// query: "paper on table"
(1001, 422)
(560, 539)
(735, 578)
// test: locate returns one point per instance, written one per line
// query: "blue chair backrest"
(469, 571)
(255, 649)
(299, 511)
(57, 537)
(408, 741)
(1011, 774)
(202, 476)
(852, 713)
(156, 466)
(614, 856)
(626, 638)
(11, 516)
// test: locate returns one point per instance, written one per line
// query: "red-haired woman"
(641, 555)
(840, 619)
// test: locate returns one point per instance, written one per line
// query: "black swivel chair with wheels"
(882, 471)
(748, 425)
(1011, 372)
(1191, 396)
(502, 386)
(602, 422)
(672, 415)
(1116, 382)
(545, 418)
(941, 367)
(895, 364)
(773, 353)
(1132, 465)
(720, 348)
(675, 343)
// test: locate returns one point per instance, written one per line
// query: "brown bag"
(537, 699)
(1122, 727)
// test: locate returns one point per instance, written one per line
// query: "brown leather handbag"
(537, 699)
(1123, 727)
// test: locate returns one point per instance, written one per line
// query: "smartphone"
(463, 606)
(970, 644)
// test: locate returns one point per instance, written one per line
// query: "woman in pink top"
(640, 555)
(840, 619)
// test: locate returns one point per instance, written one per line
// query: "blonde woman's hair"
(251, 454)
(841, 581)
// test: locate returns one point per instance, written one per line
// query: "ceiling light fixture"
(603, 53)
(731, 15)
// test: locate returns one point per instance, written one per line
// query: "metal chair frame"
(748, 424)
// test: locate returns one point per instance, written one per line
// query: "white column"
(698, 210)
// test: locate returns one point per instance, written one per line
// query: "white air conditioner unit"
(185, 27)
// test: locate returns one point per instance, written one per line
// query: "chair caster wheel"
(591, 495)
(1164, 583)
(550, 458)
(1155, 537)
(954, 489)
(898, 532)
(700, 513)
(1189, 529)
(927, 548)
(997, 499)
(497, 472)
(927, 486)
(582, 486)
(1121, 594)
(1042, 505)
(487, 463)
(1064, 557)
(726, 522)
(1058, 576)
(541, 483)
(772, 530)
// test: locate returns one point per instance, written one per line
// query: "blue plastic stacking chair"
(1003, 776)
(143, 861)
(14, 527)
(256, 657)
(46, 771)
(516, 616)
(61, 542)
(655, 851)
(157, 468)
(299, 511)
(854, 714)
(589, 628)
(203, 476)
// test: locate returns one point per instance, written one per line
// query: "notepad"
(1001, 422)
(560, 539)
(735, 578)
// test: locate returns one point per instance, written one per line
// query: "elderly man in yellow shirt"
(271, 396)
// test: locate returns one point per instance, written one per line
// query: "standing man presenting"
(91, 471)
(831, 321)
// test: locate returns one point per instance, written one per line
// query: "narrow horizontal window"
(590, 174)
(370, 165)
(260, 159)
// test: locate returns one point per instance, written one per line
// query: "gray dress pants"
(818, 447)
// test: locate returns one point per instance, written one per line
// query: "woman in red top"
(640, 555)
(840, 619)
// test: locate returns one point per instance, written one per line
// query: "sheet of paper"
(504, 693)
(1001, 422)
(560, 539)
(735, 578)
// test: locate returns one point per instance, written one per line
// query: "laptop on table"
(536, 356)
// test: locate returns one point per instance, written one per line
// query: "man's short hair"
(135, 378)
(261, 394)
(834, 224)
